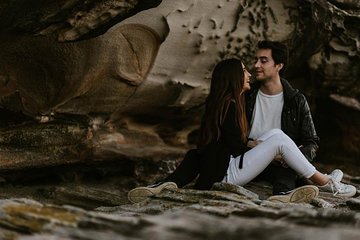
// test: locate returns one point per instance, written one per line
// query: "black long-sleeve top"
(214, 158)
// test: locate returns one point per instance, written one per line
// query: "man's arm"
(309, 138)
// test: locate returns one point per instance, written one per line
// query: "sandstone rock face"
(158, 88)
(41, 76)
(68, 20)
(53, 64)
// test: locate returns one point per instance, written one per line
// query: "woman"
(225, 153)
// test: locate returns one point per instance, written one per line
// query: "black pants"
(282, 179)
(188, 169)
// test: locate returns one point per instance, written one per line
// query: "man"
(273, 103)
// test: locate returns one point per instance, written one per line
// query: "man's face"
(265, 67)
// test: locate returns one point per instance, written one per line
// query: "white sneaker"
(141, 193)
(336, 175)
(338, 188)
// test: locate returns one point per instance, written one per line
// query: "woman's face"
(247, 76)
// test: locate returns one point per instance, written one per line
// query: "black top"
(215, 156)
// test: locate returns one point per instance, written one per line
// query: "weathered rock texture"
(98, 97)
(67, 20)
(228, 211)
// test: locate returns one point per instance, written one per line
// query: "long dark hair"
(226, 85)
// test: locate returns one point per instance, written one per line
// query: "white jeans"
(274, 142)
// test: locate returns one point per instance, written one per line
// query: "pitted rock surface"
(69, 59)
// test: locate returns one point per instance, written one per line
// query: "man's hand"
(279, 160)
(253, 143)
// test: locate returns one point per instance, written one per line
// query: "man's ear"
(280, 66)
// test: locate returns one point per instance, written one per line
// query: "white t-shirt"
(267, 114)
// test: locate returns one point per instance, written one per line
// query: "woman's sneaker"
(141, 193)
(302, 194)
(338, 188)
(336, 175)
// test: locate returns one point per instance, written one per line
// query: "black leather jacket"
(296, 120)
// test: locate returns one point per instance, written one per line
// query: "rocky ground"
(80, 202)
(85, 197)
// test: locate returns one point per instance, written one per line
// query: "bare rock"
(319, 202)
(102, 84)
(234, 189)
(166, 80)
(164, 216)
(353, 203)
(68, 20)
(110, 96)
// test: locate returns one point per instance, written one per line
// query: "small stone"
(318, 202)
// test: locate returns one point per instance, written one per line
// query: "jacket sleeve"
(309, 138)
(231, 133)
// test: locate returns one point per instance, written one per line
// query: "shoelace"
(338, 187)
(331, 182)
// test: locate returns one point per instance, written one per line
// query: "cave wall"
(146, 67)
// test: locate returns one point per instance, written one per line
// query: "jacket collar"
(289, 91)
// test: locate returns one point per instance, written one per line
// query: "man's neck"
(272, 87)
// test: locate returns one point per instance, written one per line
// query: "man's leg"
(282, 179)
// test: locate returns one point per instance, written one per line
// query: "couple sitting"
(231, 151)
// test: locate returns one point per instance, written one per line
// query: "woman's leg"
(183, 174)
(270, 133)
(187, 171)
(257, 159)
(276, 142)
(318, 178)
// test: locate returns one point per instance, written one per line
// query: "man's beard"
(263, 79)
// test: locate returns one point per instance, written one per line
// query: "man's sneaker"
(302, 194)
(141, 193)
(336, 175)
(338, 188)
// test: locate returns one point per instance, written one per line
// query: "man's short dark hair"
(279, 51)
